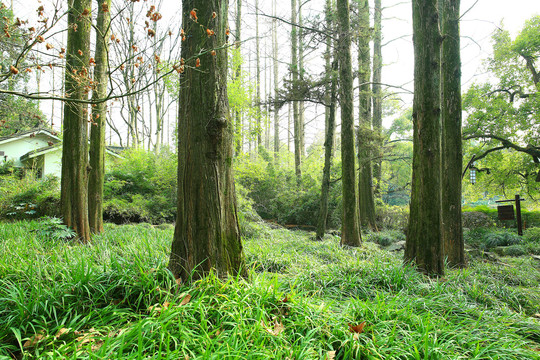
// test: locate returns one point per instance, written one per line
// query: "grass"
(115, 299)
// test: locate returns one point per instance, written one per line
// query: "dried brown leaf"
(330, 355)
(185, 300)
(33, 340)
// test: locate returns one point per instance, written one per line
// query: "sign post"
(506, 212)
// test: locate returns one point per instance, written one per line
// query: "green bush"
(385, 238)
(141, 188)
(28, 197)
(476, 219)
(530, 218)
(486, 238)
(392, 217)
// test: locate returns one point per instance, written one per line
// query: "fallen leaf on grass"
(61, 332)
(357, 329)
(275, 329)
(185, 300)
(537, 316)
(330, 355)
(33, 340)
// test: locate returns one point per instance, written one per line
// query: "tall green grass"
(115, 299)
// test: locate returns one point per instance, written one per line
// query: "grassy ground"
(115, 299)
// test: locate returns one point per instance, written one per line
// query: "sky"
(480, 18)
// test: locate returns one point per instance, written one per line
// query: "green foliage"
(385, 238)
(28, 197)
(141, 187)
(19, 114)
(52, 228)
(276, 194)
(116, 299)
(503, 111)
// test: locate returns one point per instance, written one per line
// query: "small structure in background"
(38, 149)
(506, 212)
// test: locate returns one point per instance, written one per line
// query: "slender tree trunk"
(74, 182)
(424, 245)
(258, 64)
(377, 97)
(99, 113)
(365, 176)
(350, 233)
(207, 235)
(452, 154)
(330, 126)
(301, 105)
(237, 73)
(296, 114)
(276, 83)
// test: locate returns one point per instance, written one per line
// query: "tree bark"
(207, 235)
(452, 153)
(424, 245)
(377, 96)
(276, 83)
(99, 113)
(296, 113)
(237, 73)
(330, 126)
(366, 203)
(350, 233)
(74, 182)
(258, 76)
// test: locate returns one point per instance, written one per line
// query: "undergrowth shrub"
(476, 219)
(488, 238)
(142, 188)
(28, 197)
(385, 238)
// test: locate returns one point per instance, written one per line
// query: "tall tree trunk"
(377, 97)
(258, 64)
(237, 73)
(350, 233)
(207, 235)
(74, 182)
(296, 114)
(452, 154)
(330, 126)
(365, 176)
(276, 82)
(99, 113)
(424, 245)
(301, 105)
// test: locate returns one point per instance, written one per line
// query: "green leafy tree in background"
(503, 113)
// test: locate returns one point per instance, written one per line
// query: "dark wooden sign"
(505, 212)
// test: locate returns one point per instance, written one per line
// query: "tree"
(502, 113)
(74, 183)
(296, 109)
(451, 147)
(424, 244)
(330, 125)
(350, 233)
(99, 114)
(366, 202)
(207, 235)
(377, 94)
(276, 82)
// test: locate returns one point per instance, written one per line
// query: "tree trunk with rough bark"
(424, 245)
(366, 203)
(295, 105)
(99, 113)
(74, 182)
(330, 126)
(377, 96)
(452, 153)
(207, 235)
(350, 231)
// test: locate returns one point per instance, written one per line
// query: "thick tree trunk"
(207, 235)
(74, 183)
(366, 204)
(296, 113)
(424, 242)
(377, 96)
(350, 233)
(452, 154)
(99, 113)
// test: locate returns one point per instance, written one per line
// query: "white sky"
(478, 24)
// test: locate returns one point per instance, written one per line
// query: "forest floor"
(303, 300)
